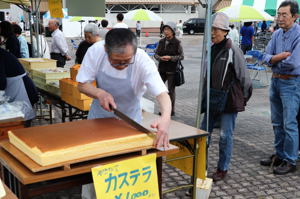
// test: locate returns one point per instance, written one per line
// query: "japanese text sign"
(55, 7)
(134, 178)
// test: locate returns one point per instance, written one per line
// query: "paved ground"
(253, 140)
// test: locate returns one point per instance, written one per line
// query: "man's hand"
(165, 58)
(106, 100)
(279, 57)
(68, 57)
(284, 55)
(162, 137)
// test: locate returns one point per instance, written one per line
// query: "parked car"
(194, 25)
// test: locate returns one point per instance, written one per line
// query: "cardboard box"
(37, 63)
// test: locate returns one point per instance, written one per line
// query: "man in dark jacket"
(228, 75)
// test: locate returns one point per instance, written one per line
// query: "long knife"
(131, 122)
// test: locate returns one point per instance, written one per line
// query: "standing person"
(59, 48)
(161, 28)
(263, 26)
(234, 35)
(10, 42)
(122, 72)
(120, 23)
(168, 53)
(247, 33)
(104, 29)
(22, 41)
(91, 36)
(8, 17)
(17, 85)
(44, 50)
(180, 28)
(282, 54)
(138, 28)
(228, 73)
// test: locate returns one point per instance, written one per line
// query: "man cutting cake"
(123, 73)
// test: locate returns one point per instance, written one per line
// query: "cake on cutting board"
(62, 142)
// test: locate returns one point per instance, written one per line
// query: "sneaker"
(284, 168)
(274, 159)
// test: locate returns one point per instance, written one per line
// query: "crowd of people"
(123, 72)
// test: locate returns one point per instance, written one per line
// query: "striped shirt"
(288, 41)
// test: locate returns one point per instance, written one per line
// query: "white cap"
(220, 20)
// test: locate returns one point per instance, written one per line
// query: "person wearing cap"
(228, 72)
(169, 52)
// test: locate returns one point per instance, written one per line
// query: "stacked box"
(74, 71)
(53, 88)
(42, 77)
(71, 95)
(37, 63)
(49, 74)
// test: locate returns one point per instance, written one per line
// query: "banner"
(129, 179)
(55, 7)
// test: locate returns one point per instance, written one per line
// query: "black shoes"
(281, 166)
(284, 168)
(219, 175)
(274, 160)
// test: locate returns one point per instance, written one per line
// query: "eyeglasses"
(283, 15)
(121, 63)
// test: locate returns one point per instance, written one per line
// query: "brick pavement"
(253, 140)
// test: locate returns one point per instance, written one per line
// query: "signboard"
(134, 178)
(55, 7)
(95, 8)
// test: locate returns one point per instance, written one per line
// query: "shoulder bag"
(179, 75)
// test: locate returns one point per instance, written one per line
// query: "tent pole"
(205, 68)
(30, 29)
(205, 63)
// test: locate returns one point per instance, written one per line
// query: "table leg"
(63, 112)
(195, 167)
(159, 165)
(70, 113)
(50, 113)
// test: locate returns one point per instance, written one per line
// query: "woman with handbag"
(230, 89)
(169, 53)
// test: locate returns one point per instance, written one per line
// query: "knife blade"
(131, 122)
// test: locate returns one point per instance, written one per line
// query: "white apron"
(127, 102)
(16, 90)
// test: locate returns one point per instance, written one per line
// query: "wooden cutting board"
(72, 140)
